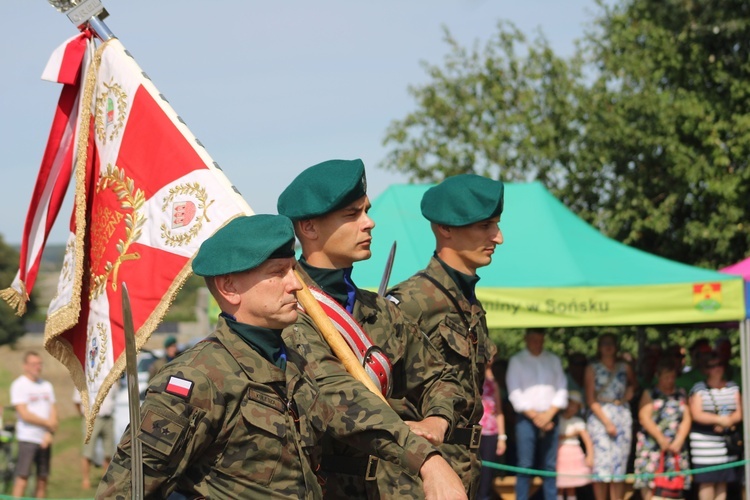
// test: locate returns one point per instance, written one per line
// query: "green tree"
(643, 132)
(667, 116)
(183, 307)
(506, 109)
(11, 325)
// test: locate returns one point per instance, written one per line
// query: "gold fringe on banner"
(15, 299)
(66, 318)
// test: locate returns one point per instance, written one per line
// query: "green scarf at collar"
(334, 282)
(465, 282)
(265, 341)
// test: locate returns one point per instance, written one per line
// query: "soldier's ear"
(443, 231)
(307, 228)
(226, 287)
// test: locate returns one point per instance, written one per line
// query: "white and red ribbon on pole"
(65, 66)
(375, 362)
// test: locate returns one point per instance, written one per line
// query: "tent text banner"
(617, 305)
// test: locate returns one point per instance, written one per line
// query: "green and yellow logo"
(707, 296)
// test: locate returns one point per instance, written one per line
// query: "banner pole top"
(86, 12)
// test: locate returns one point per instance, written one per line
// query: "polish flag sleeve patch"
(179, 387)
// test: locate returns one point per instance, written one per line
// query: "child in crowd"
(573, 466)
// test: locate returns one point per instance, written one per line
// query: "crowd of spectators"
(595, 422)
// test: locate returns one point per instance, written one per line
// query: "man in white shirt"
(537, 389)
(104, 431)
(36, 421)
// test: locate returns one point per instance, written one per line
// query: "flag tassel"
(15, 299)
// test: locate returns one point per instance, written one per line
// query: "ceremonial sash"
(375, 362)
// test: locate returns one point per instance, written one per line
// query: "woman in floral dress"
(664, 415)
(609, 384)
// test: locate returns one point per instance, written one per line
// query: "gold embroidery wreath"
(102, 354)
(130, 198)
(101, 110)
(194, 189)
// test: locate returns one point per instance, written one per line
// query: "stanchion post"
(745, 400)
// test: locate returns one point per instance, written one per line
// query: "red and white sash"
(375, 362)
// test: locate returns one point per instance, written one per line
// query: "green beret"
(244, 244)
(462, 200)
(170, 341)
(323, 188)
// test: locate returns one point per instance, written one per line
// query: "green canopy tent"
(554, 270)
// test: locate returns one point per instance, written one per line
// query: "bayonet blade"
(134, 399)
(387, 272)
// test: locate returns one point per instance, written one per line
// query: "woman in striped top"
(715, 407)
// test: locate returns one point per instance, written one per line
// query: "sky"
(269, 88)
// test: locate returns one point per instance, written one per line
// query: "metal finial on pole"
(86, 12)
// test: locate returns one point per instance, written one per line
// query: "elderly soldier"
(328, 204)
(239, 414)
(464, 212)
(231, 417)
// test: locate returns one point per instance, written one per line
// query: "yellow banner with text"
(678, 303)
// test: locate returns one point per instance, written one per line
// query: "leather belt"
(466, 436)
(354, 466)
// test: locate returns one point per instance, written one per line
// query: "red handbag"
(669, 486)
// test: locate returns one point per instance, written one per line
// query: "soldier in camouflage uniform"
(328, 204)
(240, 415)
(464, 212)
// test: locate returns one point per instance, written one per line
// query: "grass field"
(65, 476)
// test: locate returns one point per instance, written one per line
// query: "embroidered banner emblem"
(182, 213)
(111, 111)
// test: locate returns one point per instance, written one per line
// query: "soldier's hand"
(433, 429)
(439, 481)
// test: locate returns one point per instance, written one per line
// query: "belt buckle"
(476, 437)
(372, 468)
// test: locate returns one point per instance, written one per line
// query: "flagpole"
(100, 29)
(89, 13)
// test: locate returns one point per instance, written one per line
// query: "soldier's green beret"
(323, 188)
(244, 244)
(463, 199)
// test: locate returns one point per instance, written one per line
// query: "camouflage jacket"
(360, 418)
(422, 383)
(467, 353)
(419, 373)
(233, 432)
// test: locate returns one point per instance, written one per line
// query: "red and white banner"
(147, 195)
